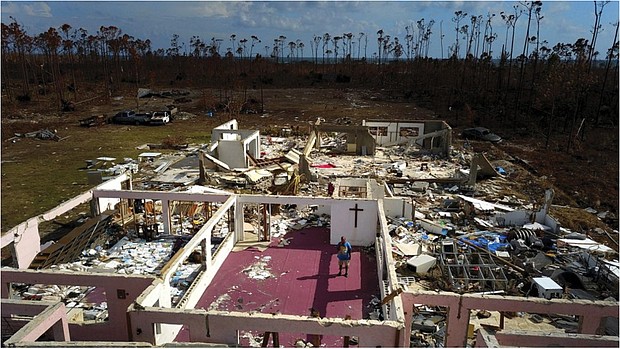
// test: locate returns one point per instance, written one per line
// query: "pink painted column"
(61, 330)
(456, 326)
(589, 324)
(5, 290)
(406, 342)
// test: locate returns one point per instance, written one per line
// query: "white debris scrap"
(259, 270)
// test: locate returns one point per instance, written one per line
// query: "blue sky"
(564, 21)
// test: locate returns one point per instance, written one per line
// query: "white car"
(160, 118)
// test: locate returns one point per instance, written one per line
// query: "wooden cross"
(356, 209)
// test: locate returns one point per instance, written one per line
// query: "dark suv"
(482, 134)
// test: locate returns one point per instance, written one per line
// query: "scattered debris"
(259, 270)
(44, 134)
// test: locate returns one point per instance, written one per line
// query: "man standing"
(330, 189)
(344, 256)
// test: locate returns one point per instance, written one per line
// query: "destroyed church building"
(242, 251)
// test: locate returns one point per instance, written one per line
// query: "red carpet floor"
(304, 276)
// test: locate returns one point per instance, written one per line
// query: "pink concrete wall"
(567, 340)
(115, 329)
(591, 313)
(46, 316)
(25, 236)
(222, 327)
(26, 242)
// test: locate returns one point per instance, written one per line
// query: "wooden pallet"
(70, 246)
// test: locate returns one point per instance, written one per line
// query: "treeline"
(567, 87)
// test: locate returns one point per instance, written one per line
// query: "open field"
(39, 174)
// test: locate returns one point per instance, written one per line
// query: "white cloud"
(10, 8)
(224, 9)
(38, 9)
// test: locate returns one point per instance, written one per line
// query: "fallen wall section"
(24, 238)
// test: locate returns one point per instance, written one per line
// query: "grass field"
(39, 174)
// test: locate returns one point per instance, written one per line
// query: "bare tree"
(18, 39)
(300, 46)
(359, 45)
(458, 17)
(511, 22)
(233, 38)
(530, 7)
(380, 42)
(291, 45)
(596, 28)
(612, 53)
(281, 40)
(242, 48)
(335, 40)
(408, 40)
(349, 37)
(326, 39)
(255, 40)
(316, 40)
(441, 37)
(50, 42)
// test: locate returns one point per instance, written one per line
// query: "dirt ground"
(39, 174)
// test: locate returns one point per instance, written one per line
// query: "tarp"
(489, 241)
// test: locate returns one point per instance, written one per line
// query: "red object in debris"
(323, 166)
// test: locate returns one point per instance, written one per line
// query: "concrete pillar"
(589, 324)
(95, 209)
(165, 216)
(406, 340)
(61, 331)
(456, 326)
(206, 254)
(239, 218)
(5, 290)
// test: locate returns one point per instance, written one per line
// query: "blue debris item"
(489, 241)
(501, 170)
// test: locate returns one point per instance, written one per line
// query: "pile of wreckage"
(466, 245)
(452, 241)
(139, 246)
(43, 134)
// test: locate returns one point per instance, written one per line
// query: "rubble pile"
(84, 302)
(467, 247)
(43, 134)
(465, 233)
(428, 327)
(291, 218)
(182, 279)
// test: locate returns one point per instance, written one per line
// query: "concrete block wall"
(592, 314)
(25, 236)
(120, 290)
